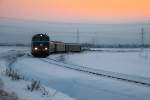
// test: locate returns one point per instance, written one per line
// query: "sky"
(20, 19)
(18, 31)
(77, 10)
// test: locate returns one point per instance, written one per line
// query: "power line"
(142, 37)
(77, 41)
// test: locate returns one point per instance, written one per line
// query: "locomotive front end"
(40, 45)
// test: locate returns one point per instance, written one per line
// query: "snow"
(4, 49)
(126, 61)
(80, 85)
(20, 87)
(84, 86)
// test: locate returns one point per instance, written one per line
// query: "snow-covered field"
(127, 61)
(18, 88)
(4, 49)
(84, 86)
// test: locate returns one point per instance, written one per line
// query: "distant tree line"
(91, 45)
(14, 44)
(88, 45)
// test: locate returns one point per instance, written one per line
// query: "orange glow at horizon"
(76, 10)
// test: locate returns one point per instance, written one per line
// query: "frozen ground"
(81, 85)
(19, 88)
(127, 61)
(4, 49)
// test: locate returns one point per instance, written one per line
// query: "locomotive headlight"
(46, 48)
(35, 48)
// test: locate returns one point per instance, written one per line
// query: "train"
(41, 46)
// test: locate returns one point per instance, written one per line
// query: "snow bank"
(20, 88)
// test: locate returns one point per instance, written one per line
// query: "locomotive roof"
(57, 41)
(37, 36)
(73, 43)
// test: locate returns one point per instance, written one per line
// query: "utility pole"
(94, 38)
(143, 44)
(77, 38)
(142, 37)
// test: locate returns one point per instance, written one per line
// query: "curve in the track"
(113, 75)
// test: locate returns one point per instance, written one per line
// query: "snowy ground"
(19, 87)
(4, 49)
(127, 61)
(84, 86)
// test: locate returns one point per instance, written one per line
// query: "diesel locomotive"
(40, 45)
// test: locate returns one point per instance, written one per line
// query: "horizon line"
(73, 22)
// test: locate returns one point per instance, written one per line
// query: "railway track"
(113, 75)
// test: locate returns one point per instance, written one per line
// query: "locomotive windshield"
(40, 43)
